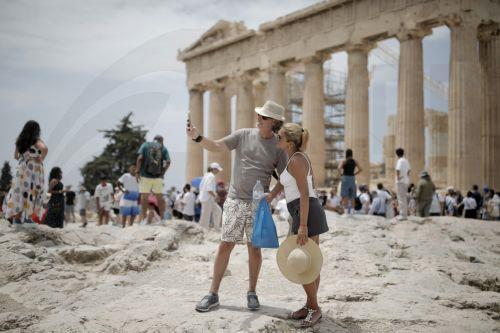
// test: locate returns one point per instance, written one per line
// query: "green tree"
(118, 155)
(6, 177)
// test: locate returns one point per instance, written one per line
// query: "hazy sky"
(77, 67)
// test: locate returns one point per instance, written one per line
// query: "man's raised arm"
(206, 143)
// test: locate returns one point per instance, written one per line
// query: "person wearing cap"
(152, 162)
(309, 219)
(424, 194)
(82, 201)
(210, 210)
(256, 159)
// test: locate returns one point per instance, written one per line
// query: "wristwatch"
(198, 138)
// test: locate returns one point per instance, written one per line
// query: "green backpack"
(153, 162)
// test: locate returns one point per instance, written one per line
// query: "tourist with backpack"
(152, 163)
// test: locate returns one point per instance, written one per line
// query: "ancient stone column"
(389, 148)
(245, 114)
(259, 94)
(489, 53)
(313, 118)
(277, 86)
(357, 117)
(410, 130)
(437, 125)
(194, 158)
(219, 126)
(464, 104)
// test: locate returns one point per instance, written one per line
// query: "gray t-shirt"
(255, 159)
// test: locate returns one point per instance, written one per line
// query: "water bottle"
(258, 193)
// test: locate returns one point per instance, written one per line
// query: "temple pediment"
(220, 31)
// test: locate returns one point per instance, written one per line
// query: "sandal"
(312, 318)
(299, 314)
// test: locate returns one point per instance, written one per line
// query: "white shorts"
(106, 206)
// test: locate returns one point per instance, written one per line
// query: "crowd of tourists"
(422, 199)
(136, 194)
(383, 202)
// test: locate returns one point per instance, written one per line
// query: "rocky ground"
(379, 275)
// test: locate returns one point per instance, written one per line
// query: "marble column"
(277, 86)
(410, 129)
(313, 118)
(194, 158)
(219, 126)
(437, 126)
(464, 103)
(489, 53)
(357, 117)
(259, 93)
(245, 114)
(389, 148)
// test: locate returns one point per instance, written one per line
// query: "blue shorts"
(348, 187)
(132, 196)
(129, 211)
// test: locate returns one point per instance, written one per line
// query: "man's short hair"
(380, 186)
(400, 152)
(158, 138)
(475, 187)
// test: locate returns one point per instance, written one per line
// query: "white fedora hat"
(299, 264)
(272, 110)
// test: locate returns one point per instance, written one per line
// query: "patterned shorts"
(237, 219)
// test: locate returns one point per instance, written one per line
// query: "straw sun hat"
(299, 264)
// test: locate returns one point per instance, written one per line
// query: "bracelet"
(198, 139)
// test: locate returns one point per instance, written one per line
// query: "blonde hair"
(297, 135)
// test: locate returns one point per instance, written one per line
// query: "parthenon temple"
(230, 60)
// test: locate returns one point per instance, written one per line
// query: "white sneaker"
(401, 218)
